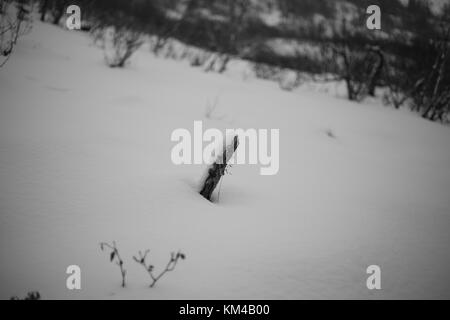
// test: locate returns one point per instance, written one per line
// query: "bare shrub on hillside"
(396, 83)
(15, 21)
(431, 94)
(119, 44)
(359, 68)
(235, 13)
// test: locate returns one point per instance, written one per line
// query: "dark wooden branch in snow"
(217, 169)
(169, 267)
(114, 255)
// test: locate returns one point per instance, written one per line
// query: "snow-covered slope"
(85, 157)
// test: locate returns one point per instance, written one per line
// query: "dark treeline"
(408, 57)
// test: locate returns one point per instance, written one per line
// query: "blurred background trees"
(406, 61)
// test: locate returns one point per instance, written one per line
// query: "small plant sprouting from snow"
(32, 295)
(115, 257)
(174, 257)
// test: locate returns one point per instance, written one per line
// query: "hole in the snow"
(330, 133)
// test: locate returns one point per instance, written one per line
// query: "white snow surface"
(85, 157)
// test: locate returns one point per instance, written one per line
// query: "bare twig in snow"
(169, 267)
(115, 257)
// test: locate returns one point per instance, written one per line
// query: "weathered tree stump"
(217, 169)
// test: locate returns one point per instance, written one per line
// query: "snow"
(85, 157)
